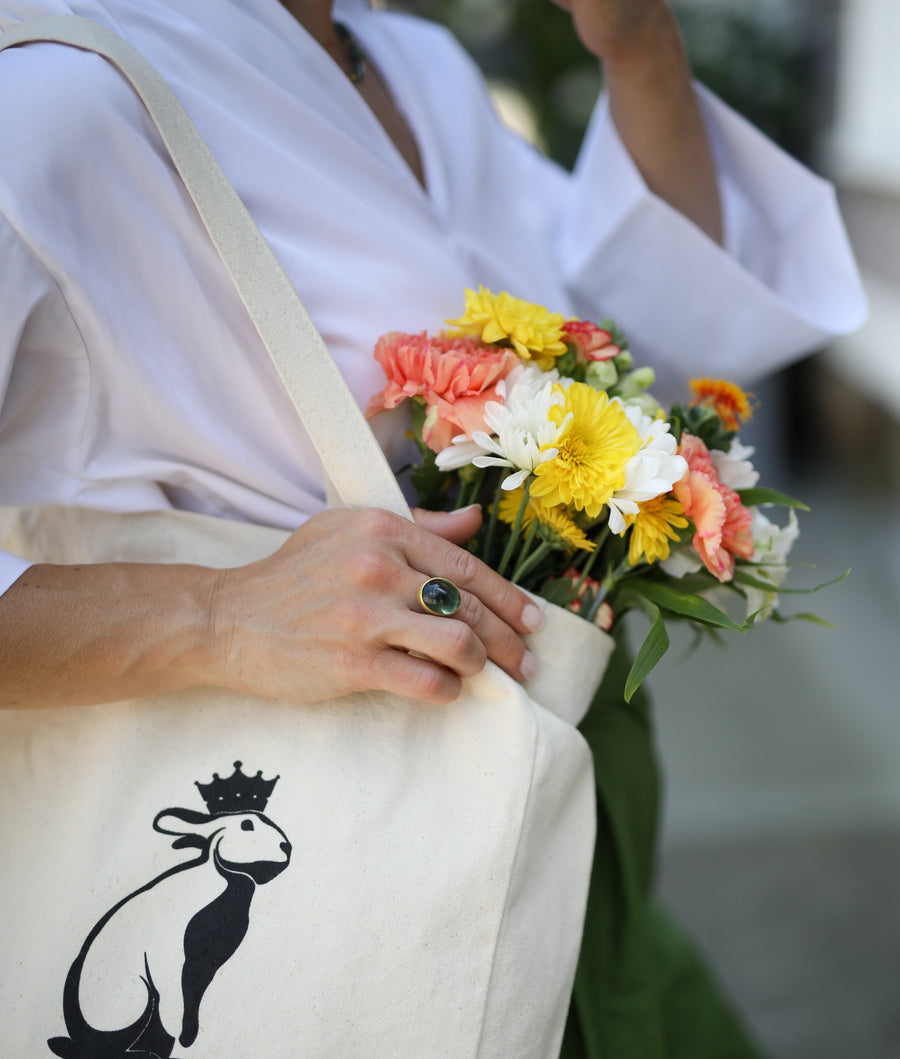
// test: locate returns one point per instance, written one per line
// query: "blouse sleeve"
(11, 569)
(784, 282)
(26, 287)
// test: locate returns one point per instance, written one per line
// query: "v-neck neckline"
(374, 38)
(339, 98)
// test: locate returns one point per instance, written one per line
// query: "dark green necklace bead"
(356, 57)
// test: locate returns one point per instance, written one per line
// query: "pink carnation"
(590, 340)
(456, 376)
(721, 522)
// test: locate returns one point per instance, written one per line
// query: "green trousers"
(641, 990)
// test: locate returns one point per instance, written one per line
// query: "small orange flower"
(732, 405)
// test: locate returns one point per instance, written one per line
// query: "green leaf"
(568, 362)
(704, 423)
(755, 497)
(559, 590)
(417, 412)
(741, 577)
(783, 619)
(618, 338)
(428, 481)
(685, 604)
(744, 578)
(655, 645)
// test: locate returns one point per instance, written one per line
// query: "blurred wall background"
(782, 841)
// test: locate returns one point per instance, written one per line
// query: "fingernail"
(528, 666)
(462, 510)
(533, 618)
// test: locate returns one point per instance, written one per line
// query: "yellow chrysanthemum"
(653, 527)
(596, 443)
(561, 531)
(732, 405)
(556, 526)
(533, 332)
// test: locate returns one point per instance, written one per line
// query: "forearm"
(332, 612)
(654, 107)
(71, 635)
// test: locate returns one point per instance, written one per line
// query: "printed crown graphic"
(238, 793)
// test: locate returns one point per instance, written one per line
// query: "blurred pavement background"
(781, 846)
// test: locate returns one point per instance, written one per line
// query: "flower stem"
(601, 540)
(517, 528)
(608, 584)
(527, 565)
(525, 549)
(602, 592)
(468, 491)
(492, 523)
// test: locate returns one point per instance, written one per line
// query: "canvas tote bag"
(209, 874)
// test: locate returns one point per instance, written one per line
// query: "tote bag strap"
(351, 456)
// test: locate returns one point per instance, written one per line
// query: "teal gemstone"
(440, 596)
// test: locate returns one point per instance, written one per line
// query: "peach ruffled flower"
(590, 340)
(721, 522)
(455, 376)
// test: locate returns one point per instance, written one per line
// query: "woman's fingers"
(335, 610)
(458, 527)
(496, 639)
(400, 673)
(451, 644)
(496, 611)
(438, 558)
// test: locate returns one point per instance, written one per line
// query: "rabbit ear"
(185, 822)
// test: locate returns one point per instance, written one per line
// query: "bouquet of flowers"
(595, 497)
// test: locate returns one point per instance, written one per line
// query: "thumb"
(458, 527)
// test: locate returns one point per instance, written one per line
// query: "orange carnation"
(455, 376)
(730, 402)
(721, 522)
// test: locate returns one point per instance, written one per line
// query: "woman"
(385, 186)
(606, 255)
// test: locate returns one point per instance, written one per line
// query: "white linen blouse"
(130, 377)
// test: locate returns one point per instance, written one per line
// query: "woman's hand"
(618, 30)
(335, 610)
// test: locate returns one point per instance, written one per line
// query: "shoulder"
(53, 94)
(63, 113)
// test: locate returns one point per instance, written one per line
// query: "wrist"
(179, 646)
(214, 647)
(646, 45)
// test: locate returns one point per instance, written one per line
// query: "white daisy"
(653, 470)
(522, 435)
(771, 545)
(734, 467)
(681, 562)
